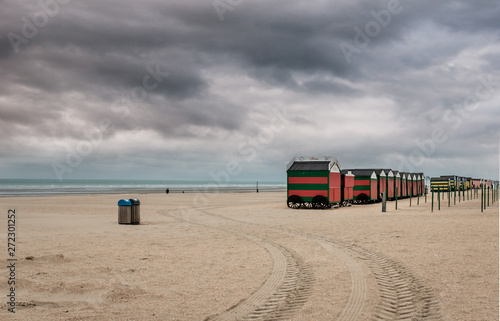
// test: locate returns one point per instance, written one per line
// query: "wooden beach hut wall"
(421, 183)
(441, 184)
(313, 177)
(460, 185)
(412, 184)
(347, 187)
(390, 183)
(416, 184)
(382, 182)
(365, 184)
(404, 193)
(397, 183)
(408, 184)
(453, 180)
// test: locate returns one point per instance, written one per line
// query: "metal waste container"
(124, 211)
(136, 211)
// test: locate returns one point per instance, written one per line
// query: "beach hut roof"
(359, 172)
(378, 171)
(389, 172)
(314, 164)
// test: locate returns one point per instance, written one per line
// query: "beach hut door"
(334, 184)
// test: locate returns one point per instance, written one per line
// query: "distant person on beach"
(167, 191)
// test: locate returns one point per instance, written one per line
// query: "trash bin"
(124, 211)
(136, 211)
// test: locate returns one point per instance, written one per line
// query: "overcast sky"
(188, 89)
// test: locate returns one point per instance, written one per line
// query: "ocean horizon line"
(37, 187)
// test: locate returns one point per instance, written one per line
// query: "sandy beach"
(236, 256)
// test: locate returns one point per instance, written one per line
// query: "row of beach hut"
(458, 183)
(320, 182)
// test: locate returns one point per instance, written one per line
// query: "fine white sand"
(196, 256)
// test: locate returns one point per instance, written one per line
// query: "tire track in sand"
(403, 295)
(284, 292)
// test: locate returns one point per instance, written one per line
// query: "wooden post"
(432, 201)
(455, 195)
(396, 198)
(481, 199)
(257, 187)
(439, 201)
(384, 198)
(488, 196)
(449, 197)
(484, 196)
(411, 192)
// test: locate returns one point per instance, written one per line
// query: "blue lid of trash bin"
(135, 201)
(124, 202)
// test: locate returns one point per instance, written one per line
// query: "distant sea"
(33, 187)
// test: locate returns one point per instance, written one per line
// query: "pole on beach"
(481, 199)
(449, 197)
(384, 199)
(432, 201)
(484, 196)
(488, 196)
(411, 192)
(455, 195)
(439, 201)
(426, 194)
(396, 198)
(257, 187)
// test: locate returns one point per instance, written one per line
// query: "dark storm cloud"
(87, 61)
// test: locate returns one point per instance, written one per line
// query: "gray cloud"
(226, 79)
